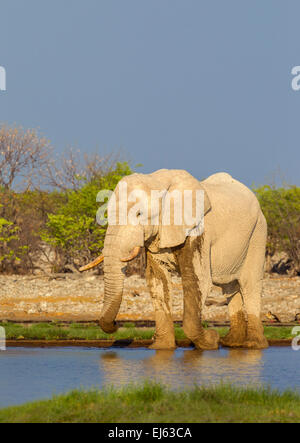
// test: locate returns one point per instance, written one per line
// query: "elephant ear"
(179, 220)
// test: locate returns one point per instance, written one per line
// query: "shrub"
(281, 207)
(9, 236)
(27, 213)
(72, 230)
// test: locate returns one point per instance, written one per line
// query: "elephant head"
(149, 221)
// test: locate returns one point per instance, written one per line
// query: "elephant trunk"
(113, 290)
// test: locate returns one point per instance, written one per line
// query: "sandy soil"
(80, 297)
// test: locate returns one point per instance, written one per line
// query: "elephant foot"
(164, 337)
(209, 342)
(255, 334)
(232, 340)
(237, 335)
(163, 344)
(256, 343)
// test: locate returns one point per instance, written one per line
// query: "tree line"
(48, 206)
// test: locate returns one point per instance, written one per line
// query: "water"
(30, 374)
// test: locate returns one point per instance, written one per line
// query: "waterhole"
(34, 374)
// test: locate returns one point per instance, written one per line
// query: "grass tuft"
(155, 403)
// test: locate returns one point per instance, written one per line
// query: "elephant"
(227, 251)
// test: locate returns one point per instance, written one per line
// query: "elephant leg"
(160, 289)
(237, 334)
(251, 288)
(192, 325)
(255, 331)
(192, 317)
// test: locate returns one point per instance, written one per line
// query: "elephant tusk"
(135, 252)
(93, 264)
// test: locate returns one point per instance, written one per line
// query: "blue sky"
(203, 85)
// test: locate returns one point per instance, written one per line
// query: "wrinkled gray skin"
(230, 253)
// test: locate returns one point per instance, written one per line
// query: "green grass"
(52, 331)
(48, 331)
(277, 333)
(154, 403)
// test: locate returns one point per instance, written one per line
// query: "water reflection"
(183, 367)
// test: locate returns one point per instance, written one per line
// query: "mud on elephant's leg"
(192, 317)
(237, 334)
(192, 326)
(158, 280)
(255, 331)
(255, 334)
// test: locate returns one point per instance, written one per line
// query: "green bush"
(72, 230)
(63, 220)
(24, 215)
(8, 233)
(9, 237)
(281, 207)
